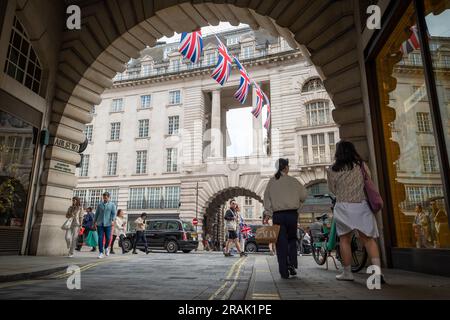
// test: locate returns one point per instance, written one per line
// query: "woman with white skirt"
(352, 211)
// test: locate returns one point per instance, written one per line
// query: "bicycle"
(324, 241)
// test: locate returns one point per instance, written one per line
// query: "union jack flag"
(244, 86)
(259, 101)
(269, 112)
(223, 68)
(191, 45)
(413, 43)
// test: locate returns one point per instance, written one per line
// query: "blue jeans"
(287, 240)
(102, 230)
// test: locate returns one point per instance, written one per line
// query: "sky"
(223, 26)
(439, 26)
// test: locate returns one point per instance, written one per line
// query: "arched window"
(318, 113)
(22, 62)
(314, 84)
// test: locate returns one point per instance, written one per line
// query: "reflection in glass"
(411, 149)
(16, 160)
(438, 26)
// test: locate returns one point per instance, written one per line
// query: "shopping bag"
(268, 234)
(81, 231)
(92, 239)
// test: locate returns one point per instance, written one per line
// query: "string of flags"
(191, 48)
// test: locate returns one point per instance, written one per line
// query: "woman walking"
(119, 231)
(352, 211)
(283, 199)
(75, 212)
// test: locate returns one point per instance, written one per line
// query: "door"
(156, 233)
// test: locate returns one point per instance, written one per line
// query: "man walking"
(140, 232)
(231, 225)
(103, 220)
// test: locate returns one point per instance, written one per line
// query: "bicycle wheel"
(359, 254)
(319, 252)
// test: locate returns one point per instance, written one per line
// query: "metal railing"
(152, 204)
(167, 68)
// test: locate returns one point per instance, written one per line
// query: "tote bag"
(373, 196)
(268, 234)
(92, 239)
(66, 225)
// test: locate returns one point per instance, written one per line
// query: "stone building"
(53, 76)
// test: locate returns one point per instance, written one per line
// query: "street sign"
(195, 221)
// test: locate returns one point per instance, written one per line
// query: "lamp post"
(196, 209)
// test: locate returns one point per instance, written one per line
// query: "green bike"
(324, 241)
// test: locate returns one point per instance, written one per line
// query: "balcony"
(166, 68)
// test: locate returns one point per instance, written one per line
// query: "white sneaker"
(345, 276)
(100, 256)
(107, 252)
(70, 256)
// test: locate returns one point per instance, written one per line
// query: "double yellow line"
(236, 271)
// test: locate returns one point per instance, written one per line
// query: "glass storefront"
(17, 150)
(409, 127)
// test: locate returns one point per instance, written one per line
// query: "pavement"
(199, 276)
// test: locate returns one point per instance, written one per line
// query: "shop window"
(16, 161)
(22, 62)
(419, 210)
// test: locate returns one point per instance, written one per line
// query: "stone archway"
(115, 31)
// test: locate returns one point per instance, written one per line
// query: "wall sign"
(62, 167)
(54, 141)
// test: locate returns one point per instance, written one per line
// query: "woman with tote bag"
(72, 225)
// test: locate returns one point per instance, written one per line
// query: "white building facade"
(158, 141)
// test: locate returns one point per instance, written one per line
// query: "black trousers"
(140, 236)
(121, 237)
(287, 240)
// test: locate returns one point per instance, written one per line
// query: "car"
(172, 235)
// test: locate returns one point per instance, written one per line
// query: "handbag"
(66, 225)
(373, 196)
(92, 239)
(268, 234)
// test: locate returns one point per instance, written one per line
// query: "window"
(112, 164)
(318, 113)
(423, 122)
(172, 160)
(92, 197)
(146, 70)
(175, 65)
(248, 213)
(318, 147)
(415, 59)
(233, 40)
(210, 59)
(174, 125)
(172, 198)
(84, 166)
(144, 128)
(115, 131)
(146, 101)
(117, 105)
(173, 225)
(155, 195)
(141, 162)
(167, 51)
(175, 97)
(305, 149)
(314, 84)
(332, 143)
(248, 201)
(22, 62)
(247, 52)
(429, 160)
(88, 132)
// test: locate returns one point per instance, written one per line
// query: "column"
(258, 142)
(216, 131)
